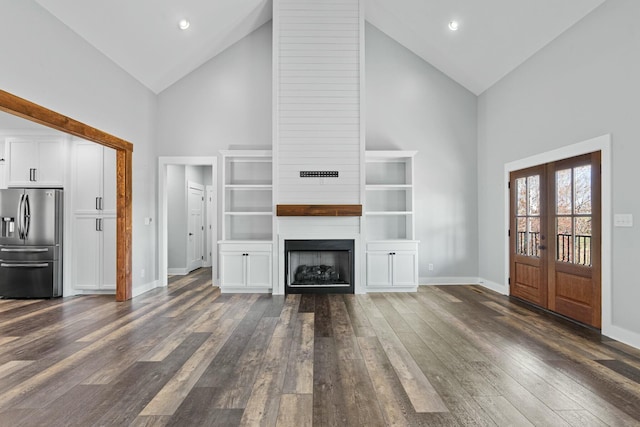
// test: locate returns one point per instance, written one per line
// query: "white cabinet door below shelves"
(259, 269)
(404, 269)
(232, 269)
(378, 269)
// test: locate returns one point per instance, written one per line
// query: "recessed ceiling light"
(454, 25)
(184, 24)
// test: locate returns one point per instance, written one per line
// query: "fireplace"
(319, 266)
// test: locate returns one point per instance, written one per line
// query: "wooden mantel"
(319, 210)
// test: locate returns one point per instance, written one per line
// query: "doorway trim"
(124, 187)
(162, 211)
(602, 144)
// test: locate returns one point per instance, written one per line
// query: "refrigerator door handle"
(25, 265)
(19, 216)
(27, 216)
(28, 250)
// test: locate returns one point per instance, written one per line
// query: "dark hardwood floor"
(189, 356)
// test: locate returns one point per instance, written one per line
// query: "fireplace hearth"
(319, 266)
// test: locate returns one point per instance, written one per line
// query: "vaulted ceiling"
(495, 36)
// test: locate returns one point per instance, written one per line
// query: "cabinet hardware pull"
(97, 203)
(101, 204)
(43, 265)
(25, 250)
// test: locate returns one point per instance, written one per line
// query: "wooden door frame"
(124, 155)
(602, 144)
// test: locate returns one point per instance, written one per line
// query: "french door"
(555, 251)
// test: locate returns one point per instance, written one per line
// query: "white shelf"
(388, 213)
(388, 186)
(249, 213)
(389, 196)
(247, 201)
(249, 186)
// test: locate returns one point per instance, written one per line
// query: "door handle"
(97, 203)
(25, 250)
(98, 224)
(190, 234)
(43, 265)
(542, 247)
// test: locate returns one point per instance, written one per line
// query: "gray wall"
(584, 84)
(413, 106)
(226, 102)
(47, 63)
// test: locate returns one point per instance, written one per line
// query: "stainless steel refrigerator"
(31, 243)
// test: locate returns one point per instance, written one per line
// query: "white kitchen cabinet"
(36, 162)
(93, 179)
(93, 265)
(246, 267)
(93, 196)
(392, 266)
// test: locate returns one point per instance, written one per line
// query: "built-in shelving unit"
(247, 221)
(248, 195)
(392, 251)
(389, 195)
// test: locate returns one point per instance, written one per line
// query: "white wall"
(413, 106)
(582, 85)
(45, 62)
(224, 103)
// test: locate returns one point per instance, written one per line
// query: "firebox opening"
(319, 266)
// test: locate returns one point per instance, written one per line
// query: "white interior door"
(195, 237)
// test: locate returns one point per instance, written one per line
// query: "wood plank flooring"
(190, 356)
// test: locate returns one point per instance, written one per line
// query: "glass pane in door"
(528, 215)
(573, 215)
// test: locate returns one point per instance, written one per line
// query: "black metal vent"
(318, 174)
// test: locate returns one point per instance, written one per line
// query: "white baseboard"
(448, 281)
(145, 287)
(623, 335)
(371, 290)
(177, 271)
(231, 290)
(497, 287)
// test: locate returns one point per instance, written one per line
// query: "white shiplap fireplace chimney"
(318, 48)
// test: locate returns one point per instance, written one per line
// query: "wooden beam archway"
(28, 110)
